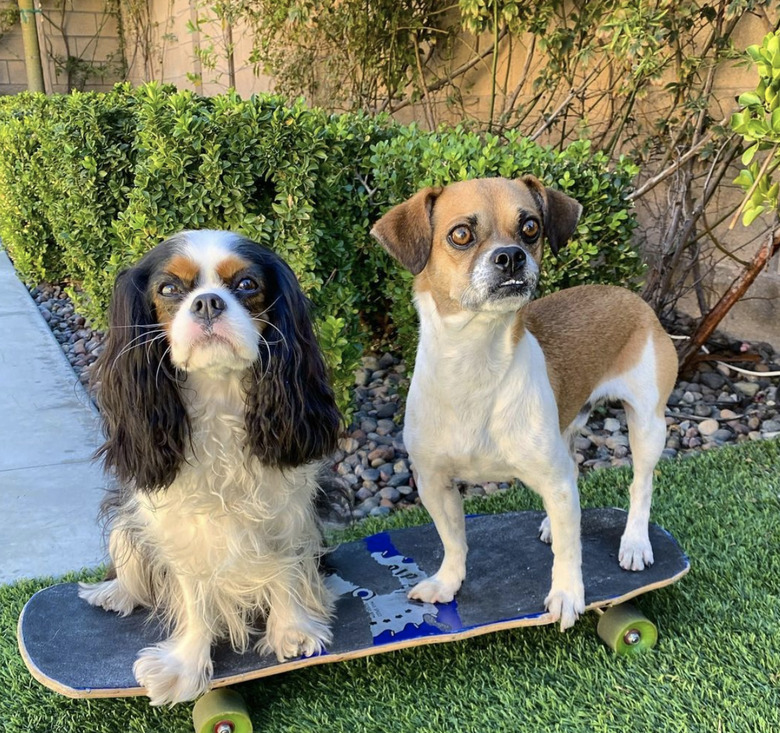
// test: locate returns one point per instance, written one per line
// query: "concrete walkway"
(49, 488)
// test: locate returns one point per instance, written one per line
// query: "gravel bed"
(717, 406)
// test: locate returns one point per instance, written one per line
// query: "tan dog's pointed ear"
(560, 213)
(406, 231)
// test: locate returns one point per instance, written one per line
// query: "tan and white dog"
(502, 383)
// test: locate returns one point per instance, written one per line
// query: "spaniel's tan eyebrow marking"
(183, 268)
(230, 266)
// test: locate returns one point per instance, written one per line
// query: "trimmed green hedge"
(89, 182)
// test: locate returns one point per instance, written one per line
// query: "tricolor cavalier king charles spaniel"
(216, 409)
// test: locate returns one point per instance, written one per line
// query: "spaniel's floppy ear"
(144, 420)
(406, 231)
(291, 414)
(560, 213)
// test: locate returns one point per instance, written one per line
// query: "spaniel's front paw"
(170, 675)
(289, 639)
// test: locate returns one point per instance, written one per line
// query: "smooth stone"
(616, 440)
(399, 479)
(712, 380)
(723, 435)
(387, 410)
(349, 445)
(747, 388)
(390, 493)
(708, 427)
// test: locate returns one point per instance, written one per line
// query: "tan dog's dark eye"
(461, 236)
(529, 229)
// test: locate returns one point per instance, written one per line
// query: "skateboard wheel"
(221, 711)
(626, 630)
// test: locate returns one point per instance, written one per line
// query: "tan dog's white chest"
(478, 401)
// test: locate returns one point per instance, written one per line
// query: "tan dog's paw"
(545, 533)
(435, 590)
(565, 606)
(635, 553)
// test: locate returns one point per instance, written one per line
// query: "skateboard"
(81, 651)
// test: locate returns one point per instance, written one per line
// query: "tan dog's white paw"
(545, 533)
(435, 590)
(565, 606)
(635, 554)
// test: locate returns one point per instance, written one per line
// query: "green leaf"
(747, 156)
(744, 179)
(773, 46)
(749, 99)
(738, 122)
(750, 215)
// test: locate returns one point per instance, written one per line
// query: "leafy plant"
(346, 54)
(9, 16)
(759, 125)
(90, 182)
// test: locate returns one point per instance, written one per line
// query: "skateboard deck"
(81, 651)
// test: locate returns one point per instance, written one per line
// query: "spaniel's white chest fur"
(227, 516)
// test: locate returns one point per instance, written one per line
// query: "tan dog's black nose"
(509, 259)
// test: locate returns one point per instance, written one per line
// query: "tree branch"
(650, 184)
(737, 289)
(462, 69)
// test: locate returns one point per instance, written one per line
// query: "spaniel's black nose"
(207, 307)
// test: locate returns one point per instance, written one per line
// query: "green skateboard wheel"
(626, 630)
(221, 711)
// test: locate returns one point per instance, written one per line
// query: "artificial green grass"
(716, 667)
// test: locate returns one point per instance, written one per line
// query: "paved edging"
(50, 489)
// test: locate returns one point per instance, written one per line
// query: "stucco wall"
(84, 31)
(181, 27)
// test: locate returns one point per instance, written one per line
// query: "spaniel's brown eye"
(169, 290)
(529, 230)
(247, 285)
(461, 236)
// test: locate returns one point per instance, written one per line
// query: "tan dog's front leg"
(443, 502)
(566, 599)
